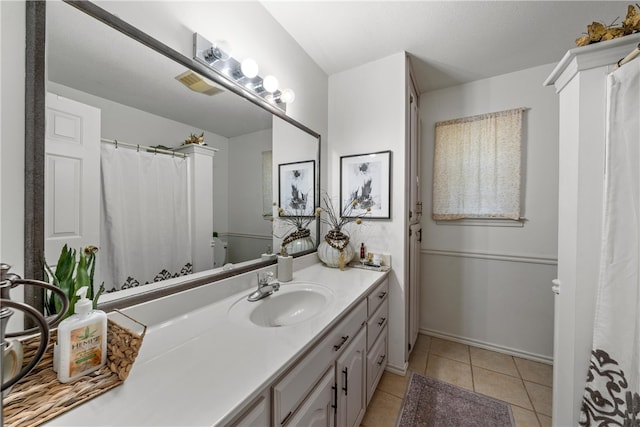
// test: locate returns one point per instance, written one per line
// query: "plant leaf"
(95, 299)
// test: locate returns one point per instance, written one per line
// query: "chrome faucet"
(266, 286)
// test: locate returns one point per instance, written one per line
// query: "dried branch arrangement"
(597, 31)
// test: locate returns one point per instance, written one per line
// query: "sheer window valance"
(476, 171)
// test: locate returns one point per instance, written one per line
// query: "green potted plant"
(72, 272)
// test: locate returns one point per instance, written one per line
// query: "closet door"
(415, 199)
(415, 239)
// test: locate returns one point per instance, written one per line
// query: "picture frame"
(367, 179)
(296, 188)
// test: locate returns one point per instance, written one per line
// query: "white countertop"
(200, 368)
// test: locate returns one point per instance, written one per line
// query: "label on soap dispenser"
(86, 348)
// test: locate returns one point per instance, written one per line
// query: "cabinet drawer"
(376, 297)
(292, 389)
(377, 323)
(376, 362)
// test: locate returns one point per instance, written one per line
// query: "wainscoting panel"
(502, 302)
(243, 247)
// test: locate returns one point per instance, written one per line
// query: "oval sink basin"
(292, 304)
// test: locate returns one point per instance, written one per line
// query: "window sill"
(485, 222)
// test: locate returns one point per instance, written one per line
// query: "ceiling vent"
(197, 83)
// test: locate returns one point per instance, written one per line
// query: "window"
(476, 172)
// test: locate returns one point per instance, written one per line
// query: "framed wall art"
(366, 178)
(296, 189)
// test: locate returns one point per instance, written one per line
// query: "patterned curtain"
(145, 234)
(476, 171)
(611, 396)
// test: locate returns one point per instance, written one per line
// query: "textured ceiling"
(451, 42)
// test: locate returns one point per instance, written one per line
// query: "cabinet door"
(351, 379)
(318, 409)
(376, 362)
(256, 415)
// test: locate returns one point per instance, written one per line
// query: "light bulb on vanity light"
(249, 68)
(270, 84)
(288, 96)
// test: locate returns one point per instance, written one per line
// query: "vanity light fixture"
(220, 51)
(249, 68)
(288, 96)
(216, 56)
(270, 84)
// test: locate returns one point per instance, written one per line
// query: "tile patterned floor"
(525, 384)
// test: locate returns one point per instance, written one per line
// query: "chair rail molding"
(509, 257)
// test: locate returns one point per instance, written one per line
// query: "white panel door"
(72, 176)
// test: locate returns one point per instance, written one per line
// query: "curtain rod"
(631, 56)
(144, 147)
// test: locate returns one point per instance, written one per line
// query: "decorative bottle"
(82, 340)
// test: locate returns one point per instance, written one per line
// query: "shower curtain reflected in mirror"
(145, 218)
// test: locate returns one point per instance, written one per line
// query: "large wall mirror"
(162, 222)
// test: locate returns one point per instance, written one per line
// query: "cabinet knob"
(382, 295)
(382, 320)
(382, 359)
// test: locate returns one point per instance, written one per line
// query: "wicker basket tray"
(39, 396)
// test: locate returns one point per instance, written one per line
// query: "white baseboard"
(487, 346)
(397, 370)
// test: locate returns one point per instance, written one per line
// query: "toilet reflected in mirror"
(219, 252)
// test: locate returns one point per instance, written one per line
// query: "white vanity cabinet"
(304, 379)
(313, 373)
(348, 362)
(378, 310)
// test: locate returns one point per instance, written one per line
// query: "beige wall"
(12, 58)
(492, 285)
(367, 114)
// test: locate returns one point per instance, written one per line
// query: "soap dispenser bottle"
(82, 340)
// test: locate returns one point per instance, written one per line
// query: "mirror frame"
(35, 95)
